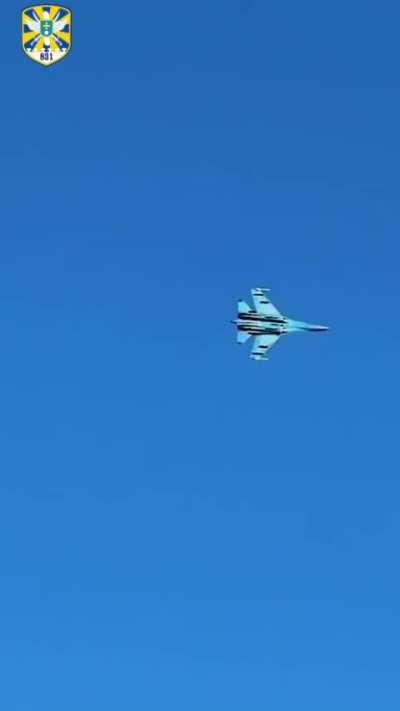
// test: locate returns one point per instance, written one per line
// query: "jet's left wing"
(261, 346)
(263, 304)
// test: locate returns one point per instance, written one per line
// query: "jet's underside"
(266, 324)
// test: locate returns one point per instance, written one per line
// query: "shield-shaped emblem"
(46, 33)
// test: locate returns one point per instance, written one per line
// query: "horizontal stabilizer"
(242, 336)
(243, 308)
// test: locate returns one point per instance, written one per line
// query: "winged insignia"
(46, 33)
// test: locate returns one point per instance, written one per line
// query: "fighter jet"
(266, 324)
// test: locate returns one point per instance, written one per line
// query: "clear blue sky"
(180, 527)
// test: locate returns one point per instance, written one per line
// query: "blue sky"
(180, 527)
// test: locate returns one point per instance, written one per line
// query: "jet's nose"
(314, 327)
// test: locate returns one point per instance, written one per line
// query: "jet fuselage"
(256, 324)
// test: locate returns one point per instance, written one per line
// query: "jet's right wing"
(261, 345)
(263, 304)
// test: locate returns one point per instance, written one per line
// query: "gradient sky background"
(183, 528)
